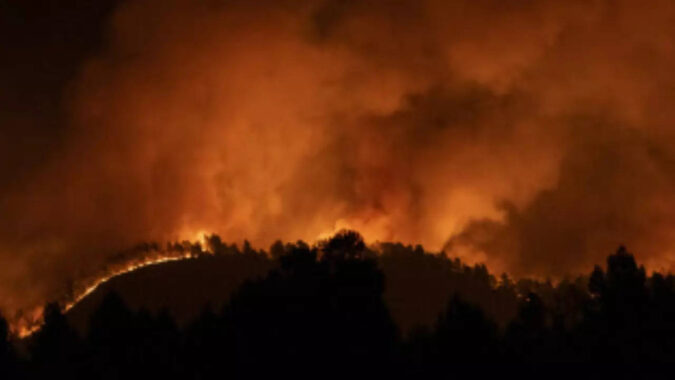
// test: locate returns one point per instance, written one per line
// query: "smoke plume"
(535, 136)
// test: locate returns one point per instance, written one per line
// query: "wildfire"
(28, 325)
(193, 244)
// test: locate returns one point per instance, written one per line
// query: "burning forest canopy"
(533, 136)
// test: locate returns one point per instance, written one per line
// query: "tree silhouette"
(616, 319)
(528, 338)
(8, 359)
(321, 312)
(311, 312)
(465, 334)
(56, 349)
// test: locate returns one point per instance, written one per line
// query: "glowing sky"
(534, 135)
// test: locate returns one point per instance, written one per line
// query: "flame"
(28, 325)
(340, 225)
(31, 322)
(200, 237)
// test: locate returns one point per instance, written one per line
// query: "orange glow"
(534, 136)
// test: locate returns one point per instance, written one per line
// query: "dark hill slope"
(418, 286)
(183, 287)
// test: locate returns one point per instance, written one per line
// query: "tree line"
(321, 312)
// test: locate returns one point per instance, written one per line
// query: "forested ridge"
(340, 308)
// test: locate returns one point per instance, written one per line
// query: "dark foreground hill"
(417, 285)
(183, 288)
(321, 312)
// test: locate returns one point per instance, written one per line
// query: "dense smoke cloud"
(534, 136)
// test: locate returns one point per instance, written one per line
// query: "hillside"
(327, 303)
(183, 287)
(418, 285)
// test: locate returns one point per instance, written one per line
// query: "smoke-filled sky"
(535, 136)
